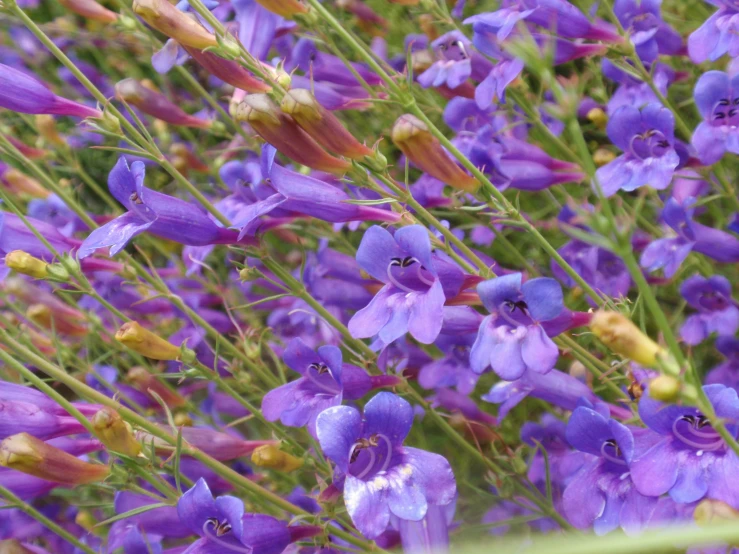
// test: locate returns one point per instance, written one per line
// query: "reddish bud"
(90, 10)
(286, 8)
(228, 71)
(148, 384)
(282, 132)
(156, 104)
(68, 322)
(322, 125)
(412, 136)
(21, 183)
(167, 19)
(28, 151)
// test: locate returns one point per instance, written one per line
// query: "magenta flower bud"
(220, 446)
(411, 135)
(281, 131)
(322, 125)
(19, 92)
(156, 104)
(90, 9)
(228, 71)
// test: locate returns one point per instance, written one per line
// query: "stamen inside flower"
(611, 452)
(377, 460)
(689, 430)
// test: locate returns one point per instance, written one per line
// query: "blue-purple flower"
(717, 98)
(717, 35)
(649, 34)
(383, 478)
(716, 311)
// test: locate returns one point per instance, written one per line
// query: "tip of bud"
(272, 457)
(406, 127)
(146, 343)
(623, 337)
(300, 102)
(258, 108)
(665, 388)
(24, 263)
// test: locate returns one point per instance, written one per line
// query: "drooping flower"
(717, 312)
(648, 142)
(602, 494)
(717, 99)
(159, 214)
(417, 283)
(224, 527)
(383, 478)
(690, 460)
(512, 338)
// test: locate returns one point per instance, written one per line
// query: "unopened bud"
(109, 122)
(664, 388)
(155, 104)
(286, 8)
(714, 511)
(272, 457)
(23, 184)
(14, 546)
(602, 156)
(53, 317)
(146, 343)
(598, 117)
(249, 273)
(228, 71)
(282, 132)
(24, 263)
(27, 454)
(115, 433)
(167, 19)
(46, 126)
(412, 136)
(28, 151)
(90, 9)
(620, 334)
(322, 125)
(147, 383)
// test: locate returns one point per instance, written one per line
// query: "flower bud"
(217, 445)
(21, 183)
(281, 131)
(115, 433)
(664, 388)
(249, 273)
(146, 343)
(90, 9)
(412, 136)
(28, 151)
(58, 318)
(24, 263)
(272, 457)
(286, 8)
(602, 156)
(147, 383)
(167, 19)
(46, 126)
(228, 71)
(322, 125)
(156, 104)
(714, 511)
(13, 546)
(27, 454)
(598, 117)
(623, 337)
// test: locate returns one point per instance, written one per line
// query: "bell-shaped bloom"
(727, 372)
(383, 478)
(602, 495)
(148, 210)
(431, 534)
(716, 311)
(670, 252)
(417, 283)
(224, 527)
(156, 104)
(690, 460)
(17, 416)
(19, 92)
(717, 99)
(633, 91)
(512, 338)
(649, 34)
(454, 63)
(325, 380)
(647, 139)
(717, 35)
(492, 88)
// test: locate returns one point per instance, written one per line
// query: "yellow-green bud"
(620, 334)
(146, 343)
(598, 117)
(665, 388)
(272, 457)
(24, 263)
(115, 433)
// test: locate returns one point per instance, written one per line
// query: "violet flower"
(727, 372)
(635, 92)
(148, 210)
(224, 527)
(690, 460)
(19, 92)
(648, 142)
(325, 380)
(512, 339)
(649, 34)
(456, 62)
(383, 477)
(717, 98)
(602, 495)
(717, 312)
(417, 283)
(22, 417)
(717, 35)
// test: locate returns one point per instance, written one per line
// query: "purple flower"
(726, 373)
(718, 34)
(600, 268)
(690, 460)
(148, 210)
(602, 495)
(22, 417)
(717, 98)
(635, 92)
(383, 477)
(647, 140)
(19, 92)
(324, 382)
(417, 283)
(224, 527)
(431, 534)
(512, 339)
(649, 34)
(717, 312)
(454, 64)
